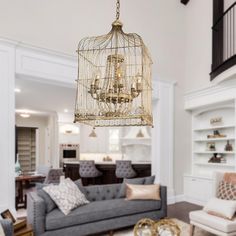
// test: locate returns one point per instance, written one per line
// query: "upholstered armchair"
(7, 227)
(211, 223)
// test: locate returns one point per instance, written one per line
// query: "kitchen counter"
(108, 169)
(109, 162)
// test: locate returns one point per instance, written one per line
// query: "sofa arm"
(36, 212)
(164, 200)
(7, 227)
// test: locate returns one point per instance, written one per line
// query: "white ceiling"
(44, 98)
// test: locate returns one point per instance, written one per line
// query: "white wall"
(59, 25)
(7, 127)
(198, 44)
(41, 123)
(228, 3)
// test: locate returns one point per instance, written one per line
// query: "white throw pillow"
(221, 208)
(66, 195)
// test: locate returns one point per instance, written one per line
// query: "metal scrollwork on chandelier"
(114, 79)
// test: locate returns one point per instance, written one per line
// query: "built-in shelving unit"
(201, 128)
(26, 141)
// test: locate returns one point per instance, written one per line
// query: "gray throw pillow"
(129, 181)
(149, 180)
(79, 184)
(50, 204)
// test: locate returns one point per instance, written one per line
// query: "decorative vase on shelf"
(17, 166)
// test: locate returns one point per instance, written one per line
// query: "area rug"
(183, 226)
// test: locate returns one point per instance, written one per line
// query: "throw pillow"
(226, 191)
(122, 192)
(230, 178)
(143, 192)
(66, 195)
(79, 184)
(221, 208)
(149, 180)
(50, 204)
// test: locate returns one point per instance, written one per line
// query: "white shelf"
(214, 139)
(215, 127)
(212, 152)
(214, 164)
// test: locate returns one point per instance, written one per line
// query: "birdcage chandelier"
(114, 86)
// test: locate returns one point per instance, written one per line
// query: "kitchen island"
(108, 169)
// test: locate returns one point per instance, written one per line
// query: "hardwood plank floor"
(181, 210)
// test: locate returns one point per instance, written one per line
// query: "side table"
(25, 231)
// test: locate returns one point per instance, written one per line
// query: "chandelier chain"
(117, 9)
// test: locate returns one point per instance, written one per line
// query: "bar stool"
(88, 171)
(125, 170)
(54, 176)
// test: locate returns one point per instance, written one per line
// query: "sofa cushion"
(66, 195)
(143, 192)
(217, 223)
(129, 181)
(50, 204)
(149, 180)
(221, 208)
(144, 180)
(226, 191)
(79, 184)
(99, 210)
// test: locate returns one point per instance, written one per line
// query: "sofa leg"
(111, 233)
(192, 228)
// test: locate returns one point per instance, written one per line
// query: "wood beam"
(185, 2)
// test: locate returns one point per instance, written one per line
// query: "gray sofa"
(107, 211)
(7, 227)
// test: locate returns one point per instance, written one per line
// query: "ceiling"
(43, 98)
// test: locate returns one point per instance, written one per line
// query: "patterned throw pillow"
(66, 195)
(226, 191)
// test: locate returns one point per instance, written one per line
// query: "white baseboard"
(194, 201)
(175, 199)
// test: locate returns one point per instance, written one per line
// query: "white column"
(7, 126)
(163, 135)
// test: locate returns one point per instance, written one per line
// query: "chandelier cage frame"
(114, 86)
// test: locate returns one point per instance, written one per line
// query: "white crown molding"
(45, 65)
(217, 93)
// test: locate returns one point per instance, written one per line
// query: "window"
(114, 140)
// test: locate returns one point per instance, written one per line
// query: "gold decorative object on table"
(145, 227)
(114, 86)
(167, 227)
(148, 227)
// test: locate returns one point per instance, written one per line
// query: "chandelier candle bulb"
(114, 79)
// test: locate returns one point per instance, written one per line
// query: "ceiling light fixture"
(140, 134)
(25, 115)
(93, 134)
(66, 110)
(114, 86)
(17, 90)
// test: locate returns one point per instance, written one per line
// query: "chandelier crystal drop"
(114, 79)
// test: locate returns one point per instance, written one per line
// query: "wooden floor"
(181, 210)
